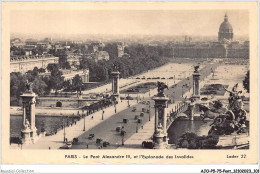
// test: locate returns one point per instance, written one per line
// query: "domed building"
(225, 34)
(225, 47)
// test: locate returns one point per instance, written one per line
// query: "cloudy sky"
(154, 22)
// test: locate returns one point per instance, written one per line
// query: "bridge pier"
(29, 131)
(160, 125)
(115, 84)
(196, 85)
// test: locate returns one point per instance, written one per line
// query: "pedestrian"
(75, 122)
(87, 146)
(66, 140)
(92, 117)
(115, 110)
(49, 148)
(142, 127)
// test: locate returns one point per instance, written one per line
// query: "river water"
(179, 127)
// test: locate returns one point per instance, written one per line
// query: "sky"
(126, 22)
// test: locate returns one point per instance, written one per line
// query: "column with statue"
(29, 131)
(196, 83)
(160, 125)
(115, 83)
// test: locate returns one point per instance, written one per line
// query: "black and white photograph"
(89, 80)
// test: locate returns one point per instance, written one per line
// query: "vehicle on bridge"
(91, 136)
(148, 144)
(68, 145)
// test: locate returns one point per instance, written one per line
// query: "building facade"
(23, 64)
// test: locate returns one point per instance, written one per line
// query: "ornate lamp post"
(128, 100)
(64, 125)
(137, 126)
(84, 128)
(149, 111)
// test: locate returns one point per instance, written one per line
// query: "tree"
(17, 85)
(39, 86)
(52, 66)
(56, 80)
(77, 83)
(246, 82)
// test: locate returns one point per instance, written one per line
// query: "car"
(163, 78)
(68, 145)
(134, 109)
(123, 132)
(136, 117)
(141, 114)
(137, 77)
(91, 136)
(125, 120)
(139, 120)
(148, 144)
(105, 143)
(118, 129)
(99, 141)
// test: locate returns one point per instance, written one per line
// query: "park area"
(140, 88)
(213, 89)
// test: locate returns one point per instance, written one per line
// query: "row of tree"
(41, 85)
(138, 58)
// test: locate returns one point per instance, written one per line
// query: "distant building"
(25, 63)
(101, 55)
(225, 33)
(224, 48)
(70, 74)
(120, 49)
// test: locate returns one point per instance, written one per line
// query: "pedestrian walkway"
(57, 140)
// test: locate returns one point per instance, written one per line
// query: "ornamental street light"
(103, 114)
(128, 100)
(64, 125)
(137, 127)
(84, 125)
(149, 112)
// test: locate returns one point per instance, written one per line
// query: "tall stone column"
(160, 129)
(196, 84)
(29, 131)
(115, 83)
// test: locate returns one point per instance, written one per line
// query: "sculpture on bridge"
(115, 67)
(28, 86)
(27, 124)
(196, 69)
(161, 86)
(226, 119)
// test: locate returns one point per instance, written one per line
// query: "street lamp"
(84, 125)
(182, 90)
(64, 140)
(149, 112)
(137, 127)
(128, 100)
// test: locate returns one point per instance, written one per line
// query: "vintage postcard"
(129, 83)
